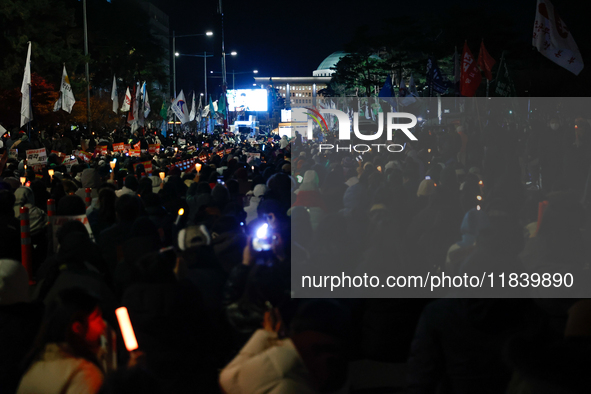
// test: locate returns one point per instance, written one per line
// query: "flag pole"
(86, 65)
(30, 111)
(456, 82)
(500, 69)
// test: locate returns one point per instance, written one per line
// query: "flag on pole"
(485, 61)
(66, 93)
(386, 92)
(200, 110)
(126, 101)
(504, 84)
(138, 112)
(211, 116)
(58, 103)
(26, 110)
(147, 107)
(435, 79)
(114, 96)
(163, 128)
(132, 114)
(222, 104)
(552, 38)
(470, 77)
(193, 109)
(164, 110)
(179, 107)
(405, 95)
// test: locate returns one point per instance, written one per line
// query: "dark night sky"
(291, 39)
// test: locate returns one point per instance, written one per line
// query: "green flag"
(164, 110)
(222, 104)
(504, 84)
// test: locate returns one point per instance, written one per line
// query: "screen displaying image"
(247, 99)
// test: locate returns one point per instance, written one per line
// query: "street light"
(204, 56)
(233, 53)
(174, 37)
(234, 73)
(241, 72)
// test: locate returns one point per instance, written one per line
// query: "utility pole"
(86, 65)
(174, 63)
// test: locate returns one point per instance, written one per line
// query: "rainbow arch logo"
(318, 118)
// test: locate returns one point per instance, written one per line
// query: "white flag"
(138, 115)
(193, 109)
(553, 39)
(179, 107)
(146, 107)
(26, 110)
(58, 104)
(2, 131)
(126, 101)
(200, 110)
(114, 96)
(67, 96)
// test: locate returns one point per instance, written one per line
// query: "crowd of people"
(202, 257)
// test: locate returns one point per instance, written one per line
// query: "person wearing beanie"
(255, 198)
(24, 197)
(90, 178)
(426, 188)
(156, 182)
(14, 282)
(308, 196)
(284, 142)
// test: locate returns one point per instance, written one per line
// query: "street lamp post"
(204, 56)
(175, 53)
(241, 72)
(87, 72)
(234, 73)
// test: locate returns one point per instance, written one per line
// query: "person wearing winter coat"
(251, 210)
(310, 360)
(64, 357)
(37, 218)
(308, 196)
